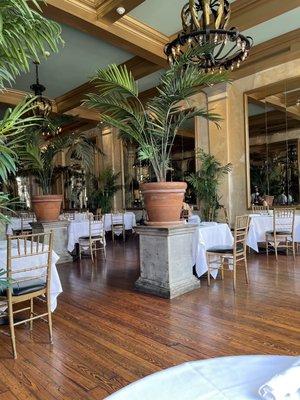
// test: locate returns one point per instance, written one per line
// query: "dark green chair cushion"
(283, 233)
(18, 289)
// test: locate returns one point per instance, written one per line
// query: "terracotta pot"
(47, 207)
(163, 202)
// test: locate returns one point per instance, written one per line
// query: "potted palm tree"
(38, 159)
(206, 183)
(154, 125)
(106, 188)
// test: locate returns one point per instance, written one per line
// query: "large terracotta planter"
(47, 207)
(163, 202)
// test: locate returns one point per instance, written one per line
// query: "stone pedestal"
(166, 260)
(60, 237)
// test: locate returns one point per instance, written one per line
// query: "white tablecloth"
(76, 229)
(129, 221)
(194, 219)
(260, 224)
(210, 235)
(228, 378)
(33, 261)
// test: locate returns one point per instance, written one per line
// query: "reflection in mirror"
(274, 144)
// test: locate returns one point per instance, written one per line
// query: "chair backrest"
(260, 209)
(26, 218)
(240, 235)
(283, 219)
(117, 218)
(70, 216)
(20, 252)
(95, 226)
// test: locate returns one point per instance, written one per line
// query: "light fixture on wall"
(43, 105)
(205, 22)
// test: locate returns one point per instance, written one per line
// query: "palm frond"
(24, 35)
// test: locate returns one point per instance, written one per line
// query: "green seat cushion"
(18, 289)
(283, 233)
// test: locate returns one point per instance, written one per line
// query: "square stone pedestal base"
(60, 237)
(166, 260)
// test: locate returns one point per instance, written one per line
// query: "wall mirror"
(273, 144)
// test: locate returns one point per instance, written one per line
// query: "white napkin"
(285, 386)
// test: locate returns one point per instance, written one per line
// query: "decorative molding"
(128, 33)
(106, 9)
(246, 14)
(268, 54)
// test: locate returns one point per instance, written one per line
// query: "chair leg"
(208, 270)
(91, 251)
(79, 252)
(293, 248)
(49, 319)
(267, 246)
(31, 314)
(246, 271)
(234, 275)
(12, 329)
(276, 252)
(222, 268)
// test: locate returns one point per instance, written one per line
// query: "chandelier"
(205, 23)
(42, 105)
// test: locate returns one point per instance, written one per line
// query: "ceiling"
(84, 53)
(75, 63)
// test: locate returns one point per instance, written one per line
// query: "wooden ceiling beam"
(127, 33)
(137, 65)
(107, 9)
(278, 50)
(246, 14)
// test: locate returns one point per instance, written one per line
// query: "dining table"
(129, 221)
(33, 261)
(77, 229)
(260, 224)
(223, 378)
(209, 234)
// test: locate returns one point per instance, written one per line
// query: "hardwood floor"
(106, 335)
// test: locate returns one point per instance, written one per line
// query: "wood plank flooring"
(106, 335)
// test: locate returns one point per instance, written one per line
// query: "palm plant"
(107, 187)
(37, 156)
(24, 35)
(153, 126)
(206, 182)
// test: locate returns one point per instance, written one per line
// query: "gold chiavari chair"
(117, 224)
(95, 240)
(25, 228)
(282, 235)
(260, 209)
(234, 255)
(29, 281)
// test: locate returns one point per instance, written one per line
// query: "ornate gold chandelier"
(205, 23)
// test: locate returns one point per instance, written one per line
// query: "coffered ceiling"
(96, 35)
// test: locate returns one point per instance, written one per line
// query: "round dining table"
(226, 378)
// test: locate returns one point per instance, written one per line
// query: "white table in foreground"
(34, 260)
(228, 378)
(76, 229)
(260, 224)
(210, 235)
(129, 221)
